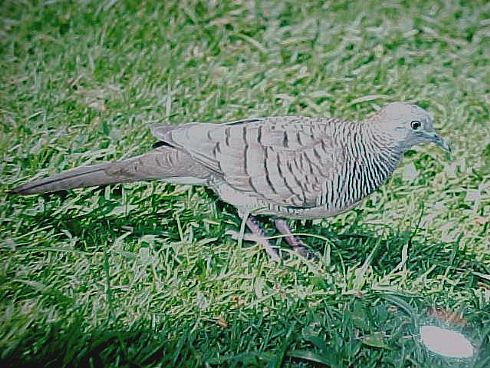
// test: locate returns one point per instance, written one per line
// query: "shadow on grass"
(344, 331)
(380, 328)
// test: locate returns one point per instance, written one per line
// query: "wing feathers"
(281, 160)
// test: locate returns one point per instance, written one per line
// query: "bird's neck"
(381, 144)
(373, 158)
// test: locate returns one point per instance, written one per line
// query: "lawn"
(145, 274)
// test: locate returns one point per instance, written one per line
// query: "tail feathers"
(162, 163)
(79, 177)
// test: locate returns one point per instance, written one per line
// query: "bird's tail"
(161, 163)
(79, 177)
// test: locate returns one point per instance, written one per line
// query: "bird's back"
(288, 166)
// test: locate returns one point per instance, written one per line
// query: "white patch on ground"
(445, 342)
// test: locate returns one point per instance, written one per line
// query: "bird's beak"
(433, 137)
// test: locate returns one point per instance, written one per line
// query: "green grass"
(144, 274)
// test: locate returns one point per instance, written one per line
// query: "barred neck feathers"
(387, 150)
(369, 161)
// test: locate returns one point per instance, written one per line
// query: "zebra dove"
(288, 167)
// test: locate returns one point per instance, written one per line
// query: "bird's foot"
(257, 236)
(294, 242)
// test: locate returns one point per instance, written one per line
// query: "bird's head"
(407, 125)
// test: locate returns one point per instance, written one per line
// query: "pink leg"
(297, 245)
(260, 237)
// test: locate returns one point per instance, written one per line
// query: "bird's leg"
(257, 235)
(255, 228)
(297, 245)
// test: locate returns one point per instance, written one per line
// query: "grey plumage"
(287, 166)
(295, 167)
(160, 163)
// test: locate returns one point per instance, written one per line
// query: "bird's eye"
(415, 124)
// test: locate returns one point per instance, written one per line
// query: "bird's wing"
(283, 160)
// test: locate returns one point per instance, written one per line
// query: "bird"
(283, 166)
